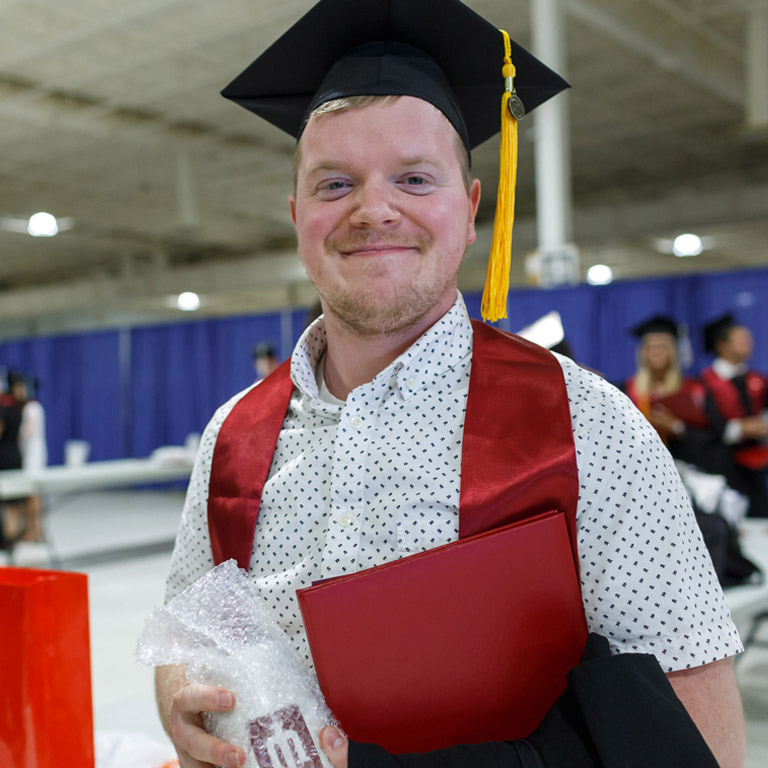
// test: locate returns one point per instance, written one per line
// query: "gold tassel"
(494, 305)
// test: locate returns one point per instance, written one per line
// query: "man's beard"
(367, 315)
(373, 312)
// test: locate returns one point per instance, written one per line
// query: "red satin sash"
(518, 457)
(726, 395)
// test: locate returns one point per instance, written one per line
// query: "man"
(737, 406)
(264, 359)
(368, 460)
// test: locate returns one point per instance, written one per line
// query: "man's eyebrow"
(420, 160)
(326, 165)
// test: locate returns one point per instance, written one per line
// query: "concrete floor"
(122, 541)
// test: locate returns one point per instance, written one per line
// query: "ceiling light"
(687, 245)
(599, 274)
(42, 225)
(188, 301)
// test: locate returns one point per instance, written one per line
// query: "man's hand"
(754, 428)
(335, 746)
(197, 748)
(664, 422)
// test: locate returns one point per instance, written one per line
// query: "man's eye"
(332, 185)
(415, 180)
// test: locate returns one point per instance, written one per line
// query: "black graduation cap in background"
(264, 349)
(716, 331)
(656, 324)
(437, 50)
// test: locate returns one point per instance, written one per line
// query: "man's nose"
(374, 206)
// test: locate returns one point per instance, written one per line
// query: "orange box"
(45, 670)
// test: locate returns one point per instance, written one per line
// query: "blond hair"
(673, 378)
(358, 102)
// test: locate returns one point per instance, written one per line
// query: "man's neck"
(352, 360)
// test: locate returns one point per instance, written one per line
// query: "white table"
(98, 475)
(58, 483)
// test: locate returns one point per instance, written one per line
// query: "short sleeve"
(647, 579)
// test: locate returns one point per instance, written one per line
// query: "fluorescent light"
(687, 245)
(188, 301)
(42, 225)
(599, 274)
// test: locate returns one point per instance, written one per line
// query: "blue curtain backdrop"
(79, 388)
(130, 391)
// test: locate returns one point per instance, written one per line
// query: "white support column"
(186, 200)
(757, 69)
(558, 256)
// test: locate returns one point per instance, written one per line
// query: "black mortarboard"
(15, 377)
(437, 50)
(717, 330)
(440, 51)
(264, 349)
(656, 324)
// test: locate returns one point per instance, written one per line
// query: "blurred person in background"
(737, 407)
(11, 406)
(672, 403)
(265, 359)
(34, 455)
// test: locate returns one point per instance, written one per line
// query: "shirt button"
(345, 520)
(355, 422)
(410, 383)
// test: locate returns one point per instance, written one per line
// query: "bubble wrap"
(227, 637)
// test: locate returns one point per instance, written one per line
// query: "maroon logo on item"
(282, 740)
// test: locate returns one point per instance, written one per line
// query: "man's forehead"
(374, 121)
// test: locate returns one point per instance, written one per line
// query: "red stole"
(518, 457)
(726, 395)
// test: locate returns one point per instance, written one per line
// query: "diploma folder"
(682, 405)
(467, 642)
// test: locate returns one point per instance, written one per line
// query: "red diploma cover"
(464, 643)
(683, 405)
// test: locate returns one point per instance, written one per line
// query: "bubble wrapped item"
(227, 637)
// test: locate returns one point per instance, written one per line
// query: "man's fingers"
(203, 698)
(203, 747)
(196, 747)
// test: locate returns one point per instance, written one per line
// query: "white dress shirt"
(360, 483)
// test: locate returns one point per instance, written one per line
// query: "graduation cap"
(656, 324)
(264, 349)
(440, 51)
(717, 331)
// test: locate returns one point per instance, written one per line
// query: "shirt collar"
(726, 370)
(431, 357)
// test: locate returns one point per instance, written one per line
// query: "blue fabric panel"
(79, 388)
(180, 373)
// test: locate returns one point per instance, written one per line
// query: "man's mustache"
(362, 240)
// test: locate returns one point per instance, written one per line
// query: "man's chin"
(375, 315)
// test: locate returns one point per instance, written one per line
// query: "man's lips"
(372, 250)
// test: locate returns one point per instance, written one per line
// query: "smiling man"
(395, 411)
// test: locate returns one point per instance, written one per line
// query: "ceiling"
(110, 117)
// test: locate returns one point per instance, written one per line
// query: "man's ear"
(292, 205)
(474, 201)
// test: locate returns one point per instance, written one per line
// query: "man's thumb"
(334, 745)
